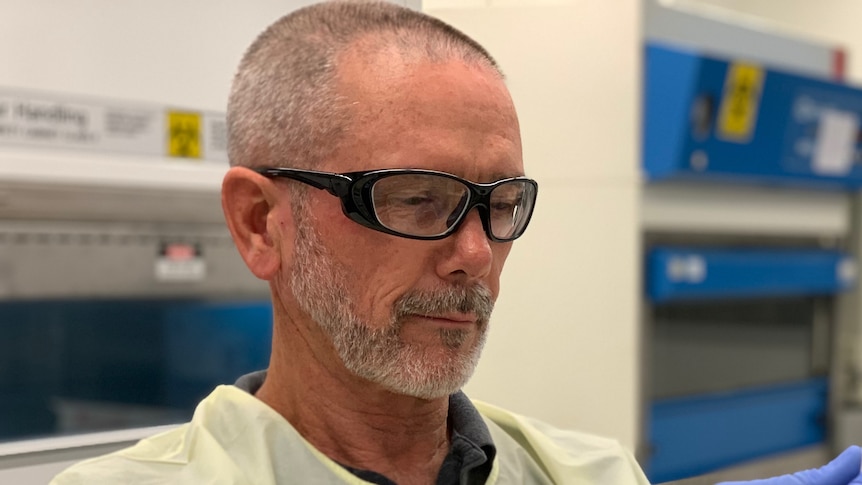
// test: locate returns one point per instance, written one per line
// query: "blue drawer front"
(207, 344)
(675, 274)
(695, 435)
(790, 115)
(159, 355)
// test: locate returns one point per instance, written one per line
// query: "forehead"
(446, 115)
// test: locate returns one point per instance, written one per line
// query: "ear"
(248, 199)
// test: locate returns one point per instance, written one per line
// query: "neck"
(352, 421)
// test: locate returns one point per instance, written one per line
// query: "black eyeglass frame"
(354, 190)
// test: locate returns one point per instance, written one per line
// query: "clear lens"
(429, 205)
(419, 204)
(510, 208)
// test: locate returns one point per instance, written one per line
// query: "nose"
(468, 255)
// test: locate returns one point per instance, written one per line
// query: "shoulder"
(566, 456)
(233, 438)
(143, 462)
(166, 457)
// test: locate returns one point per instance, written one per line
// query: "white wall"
(181, 53)
(565, 335)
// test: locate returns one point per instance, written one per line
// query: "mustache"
(476, 299)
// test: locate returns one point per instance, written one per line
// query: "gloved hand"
(843, 470)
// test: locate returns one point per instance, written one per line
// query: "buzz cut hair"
(284, 107)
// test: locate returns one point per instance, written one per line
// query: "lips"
(452, 318)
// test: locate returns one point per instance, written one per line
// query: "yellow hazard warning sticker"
(184, 134)
(737, 115)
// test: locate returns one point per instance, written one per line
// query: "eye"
(416, 200)
(505, 206)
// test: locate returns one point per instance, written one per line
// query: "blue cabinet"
(714, 119)
(697, 434)
(733, 353)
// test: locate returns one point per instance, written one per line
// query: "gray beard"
(380, 355)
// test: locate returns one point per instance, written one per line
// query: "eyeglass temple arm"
(333, 183)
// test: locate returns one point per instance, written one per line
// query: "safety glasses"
(423, 204)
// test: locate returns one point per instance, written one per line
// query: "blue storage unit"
(701, 432)
(680, 273)
(716, 119)
(212, 343)
(159, 356)
(695, 435)
(708, 119)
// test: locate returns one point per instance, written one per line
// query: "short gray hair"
(284, 108)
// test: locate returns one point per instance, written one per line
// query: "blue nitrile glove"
(843, 470)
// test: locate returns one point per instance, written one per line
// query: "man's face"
(406, 314)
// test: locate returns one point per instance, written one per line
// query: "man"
(377, 185)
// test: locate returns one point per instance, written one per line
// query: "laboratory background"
(688, 285)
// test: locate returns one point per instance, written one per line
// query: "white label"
(132, 130)
(51, 121)
(847, 271)
(686, 269)
(170, 270)
(836, 142)
(215, 137)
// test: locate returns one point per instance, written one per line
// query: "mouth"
(453, 320)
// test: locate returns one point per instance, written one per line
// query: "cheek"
(389, 274)
(377, 269)
(501, 253)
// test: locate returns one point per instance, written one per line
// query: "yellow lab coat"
(234, 438)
